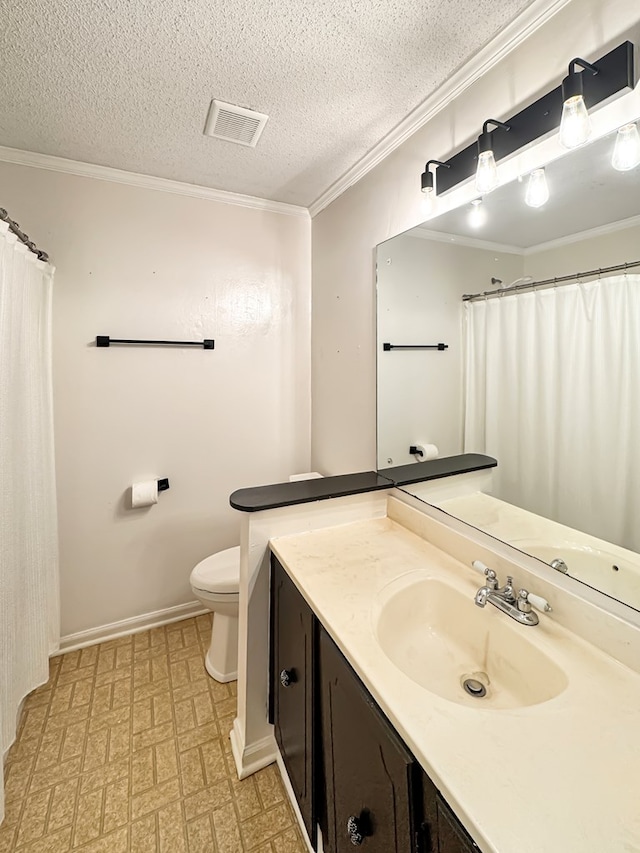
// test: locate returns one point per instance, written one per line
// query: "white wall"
(387, 201)
(138, 263)
(588, 253)
(420, 283)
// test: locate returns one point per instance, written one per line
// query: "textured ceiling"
(127, 83)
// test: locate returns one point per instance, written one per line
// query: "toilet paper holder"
(145, 493)
(424, 452)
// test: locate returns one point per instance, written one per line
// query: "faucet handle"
(522, 602)
(527, 599)
(492, 579)
(540, 603)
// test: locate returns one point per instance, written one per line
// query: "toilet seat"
(218, 574)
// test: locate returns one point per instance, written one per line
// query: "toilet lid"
(218, 573)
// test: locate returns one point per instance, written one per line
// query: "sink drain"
(474, 688)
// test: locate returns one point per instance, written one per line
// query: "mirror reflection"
(539, 310)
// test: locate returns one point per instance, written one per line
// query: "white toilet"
(215, 581)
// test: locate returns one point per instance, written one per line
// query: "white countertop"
(557, 777)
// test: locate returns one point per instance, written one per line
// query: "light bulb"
(477, 214)
(486, 173)
(626, 152)
(426, 205)
(537, 190)
(575, 125)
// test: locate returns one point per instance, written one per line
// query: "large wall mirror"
(541, 369)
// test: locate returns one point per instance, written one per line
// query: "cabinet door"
(369, 774)
(292, 693)
(452, 836)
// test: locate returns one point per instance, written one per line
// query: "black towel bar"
(106, 341)
(389, 347)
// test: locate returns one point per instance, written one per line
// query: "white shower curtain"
(29, 597)
(553, 392)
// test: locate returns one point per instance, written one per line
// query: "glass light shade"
(626, 152)
(486, 173)
(575, 125)
(537, 189)
(477, 214)
(428, 198)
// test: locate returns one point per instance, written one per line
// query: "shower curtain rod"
(547, 282)
(24, 238)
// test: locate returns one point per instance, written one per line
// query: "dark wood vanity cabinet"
(292, 704)
(452, 836)
(347, 765)
(371, 778)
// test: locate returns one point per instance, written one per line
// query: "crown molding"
(148, 182)
(509, 38)
(589, 234)
(424, 233)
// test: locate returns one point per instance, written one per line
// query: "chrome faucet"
(518, 606)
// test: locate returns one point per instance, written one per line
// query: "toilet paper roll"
(144, 494)
(424, 452)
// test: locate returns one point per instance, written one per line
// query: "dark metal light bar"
(615, 75)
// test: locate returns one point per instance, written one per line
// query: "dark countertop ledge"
(305, 491)
(447, 466)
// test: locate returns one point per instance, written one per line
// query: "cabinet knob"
(288, 677)
(354, 831)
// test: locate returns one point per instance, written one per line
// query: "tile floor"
(126, 748)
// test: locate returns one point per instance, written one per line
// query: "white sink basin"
(440, 639)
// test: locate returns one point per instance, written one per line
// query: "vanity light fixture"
(477, 214)
(626, 151)
(537, 189)
(575, 126)
(487, 172)
(610, 75)
(427, 183)
(426, 179)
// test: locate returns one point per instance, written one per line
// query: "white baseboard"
(134, 625)
(250, 759)
(296, 808)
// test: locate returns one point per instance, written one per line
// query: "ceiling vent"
(235, 124)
